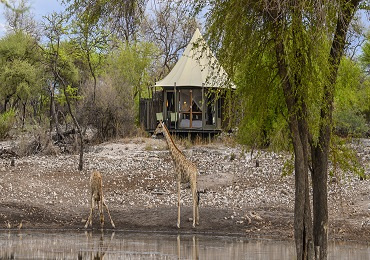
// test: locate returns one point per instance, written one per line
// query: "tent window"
(211, 109)
(170, 103)
(190, 108)
(184, 105)
(197, 100)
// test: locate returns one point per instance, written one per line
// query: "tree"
(351, 100)
(21, 70)
(365, 63)
(5, 3)
(20, 19)
(365, 57)
(121, 17)
(128, 71)
(133, 64)
(170, 25)
(93, 42)
(60, 61)
(301, 45)
(8, 6)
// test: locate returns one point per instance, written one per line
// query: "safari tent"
(189, 98)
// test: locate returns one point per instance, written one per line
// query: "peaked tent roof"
(196, 66)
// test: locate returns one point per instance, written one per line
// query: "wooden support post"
(203, 108)
(191, 109)
(176, 105)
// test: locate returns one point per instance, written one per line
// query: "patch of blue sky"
(38, 9)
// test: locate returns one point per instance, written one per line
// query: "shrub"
(350, 123)
(112, 113)
(7, 120)
(36, 141)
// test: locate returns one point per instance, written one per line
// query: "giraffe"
(97, 196)
(186, 172)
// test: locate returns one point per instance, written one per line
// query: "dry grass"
(37, 141)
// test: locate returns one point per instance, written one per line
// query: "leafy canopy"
(21, 68)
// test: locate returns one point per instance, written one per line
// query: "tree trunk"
(320, 151)
(6, 102)
(299, 135)
(320, 195)
(302, 209)
(53, 114)
(92, 74)
(24, 113)
(77, 125)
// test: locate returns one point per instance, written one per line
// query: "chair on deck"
(159, 116)
(173, 119)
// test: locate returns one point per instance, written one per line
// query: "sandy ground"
(139, 186)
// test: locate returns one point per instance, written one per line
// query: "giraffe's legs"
(194, 193)
(178, 203)
(111, 221)
(195, 196)
(101, 210)
(197, 208)
(89, 219)
(178, 247)
(195, 248)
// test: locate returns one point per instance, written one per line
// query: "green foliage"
(344, 158)
(350, 123)
(18, 77)
(123, 17)
(352, 100)
(365, 63)
(258, 124)
(72, 93)
(365, 57)
(66, 67)
(288, 167)
(66, 70)
(5, 2)
(265, 124)
(126, 78)
(130, 67)
(134, 63)
(20, 67)
(246, 47)
(7, 120)
(91, 41)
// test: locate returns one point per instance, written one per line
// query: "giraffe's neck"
(185, 169)
(175, 152)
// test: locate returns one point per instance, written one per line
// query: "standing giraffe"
(96, 186)
(186, 172)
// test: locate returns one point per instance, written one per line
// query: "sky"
(39, 8)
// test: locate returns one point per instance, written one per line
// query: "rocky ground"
(139, 183)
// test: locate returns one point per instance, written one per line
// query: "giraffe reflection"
(195, 252)
(101, 249)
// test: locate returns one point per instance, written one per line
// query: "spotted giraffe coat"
(185, 170)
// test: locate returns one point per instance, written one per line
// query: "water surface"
(122, 245)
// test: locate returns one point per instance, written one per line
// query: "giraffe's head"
(159, 130)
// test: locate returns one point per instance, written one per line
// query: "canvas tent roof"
(196, 66)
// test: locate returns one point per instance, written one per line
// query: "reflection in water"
(96, 253)
(195, 254)
(122, 245)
